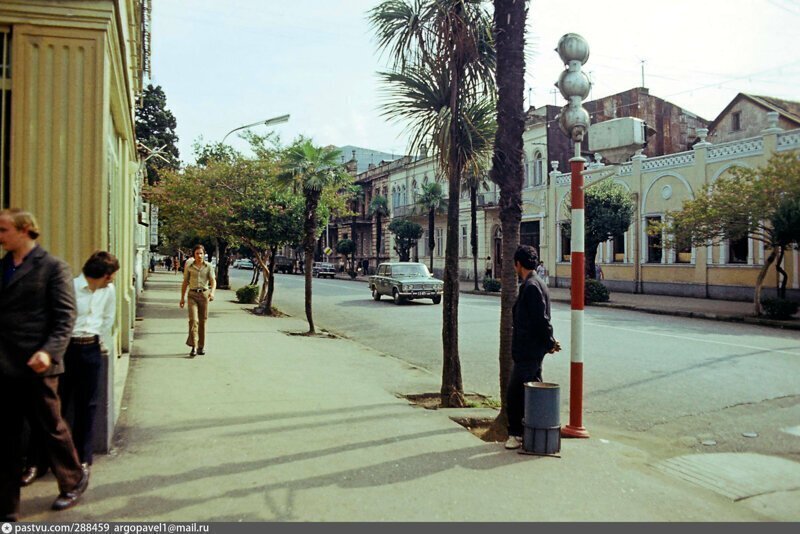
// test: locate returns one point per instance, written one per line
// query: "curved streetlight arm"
(274, 120)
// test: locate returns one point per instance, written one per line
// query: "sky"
(227, 63)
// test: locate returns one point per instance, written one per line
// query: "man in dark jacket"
(531, 340)
(37, 314)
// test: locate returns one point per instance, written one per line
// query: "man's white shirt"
(96, 310)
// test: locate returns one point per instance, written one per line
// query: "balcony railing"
(488, 198)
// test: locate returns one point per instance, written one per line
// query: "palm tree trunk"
(473, 235)
(431, 229)
(452, 392)
(509, 25)
(760, 280)
(310, 226)
(378, 242)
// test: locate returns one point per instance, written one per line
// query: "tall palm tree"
(509, 28)
(312, 169)
(430, 201)
(443, 64)
(378, 208)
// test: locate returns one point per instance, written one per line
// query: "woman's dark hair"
(527, 256)
(198, 247)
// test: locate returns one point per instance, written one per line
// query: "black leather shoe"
(192, 353)
(201, 351)
(70, 498)
(29, 476)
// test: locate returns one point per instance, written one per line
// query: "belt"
(85, 340)
(198, 290)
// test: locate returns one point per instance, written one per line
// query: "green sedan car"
(405, 281)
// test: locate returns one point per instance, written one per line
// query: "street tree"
(348, 248)
(406, 234)
(313, 171)
(608, 213)
(509, 34)
(760, 204)
(431, 201)
(155, 129)
(474, 181)
(269, 220)
(442, 84)
(378, 208)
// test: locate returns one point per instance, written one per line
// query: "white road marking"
(685, 338)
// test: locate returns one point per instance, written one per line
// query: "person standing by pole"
(198, 278)
(531, 340)
(38, 299)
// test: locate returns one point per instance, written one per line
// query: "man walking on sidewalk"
(531, 339)
(37, 314)
(199, 279)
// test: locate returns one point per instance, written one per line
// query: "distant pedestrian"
(199, 279)
(175, 263)
(489, 266)
(598, 272)
(152, 264)
(532, 338)
(38, 299)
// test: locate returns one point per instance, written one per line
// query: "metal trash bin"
(542, 421)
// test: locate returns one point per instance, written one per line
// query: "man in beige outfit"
(199, 279)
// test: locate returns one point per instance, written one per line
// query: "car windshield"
(410, 270)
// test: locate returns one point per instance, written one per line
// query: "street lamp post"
(574, 121)
(268, 122)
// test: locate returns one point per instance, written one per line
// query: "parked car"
(405, 281)
(284, 264)
(321, 268)
(244, 264)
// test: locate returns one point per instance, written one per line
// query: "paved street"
(680, 380)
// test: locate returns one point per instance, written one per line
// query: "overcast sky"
(223, 64)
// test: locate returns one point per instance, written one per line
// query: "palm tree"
(378, 208)
(509, 27)
(430, 201)
(443, 64)
(312, 169)
(474, 181)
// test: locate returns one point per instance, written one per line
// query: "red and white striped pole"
(574, 122)
(575, 427)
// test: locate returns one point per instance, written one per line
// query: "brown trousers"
(35, 398)
(198, 314)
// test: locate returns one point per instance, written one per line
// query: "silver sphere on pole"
(574, 85)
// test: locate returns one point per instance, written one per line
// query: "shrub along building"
(677, 161)
(70, 73)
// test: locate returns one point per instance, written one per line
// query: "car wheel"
(437, 299)
(396, 296)
(376, 294)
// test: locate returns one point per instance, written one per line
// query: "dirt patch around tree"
(477, 425)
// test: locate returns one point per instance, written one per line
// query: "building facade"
(70, 75)
(632, 262)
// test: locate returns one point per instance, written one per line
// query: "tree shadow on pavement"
(394, 471)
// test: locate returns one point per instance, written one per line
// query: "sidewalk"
(717, 310)
(273, 427)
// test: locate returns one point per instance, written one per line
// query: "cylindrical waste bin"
(542, 420)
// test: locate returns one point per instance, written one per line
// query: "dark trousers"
(79, 388)
(34, 398)
(521, 372)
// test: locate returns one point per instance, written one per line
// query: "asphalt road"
(683, 379)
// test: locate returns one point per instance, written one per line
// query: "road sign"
(327, 251)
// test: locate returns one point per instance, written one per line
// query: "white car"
(243, 263)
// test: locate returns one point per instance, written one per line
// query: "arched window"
(538, 169)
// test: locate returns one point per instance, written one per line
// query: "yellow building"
(635, 262)
(70, 74)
